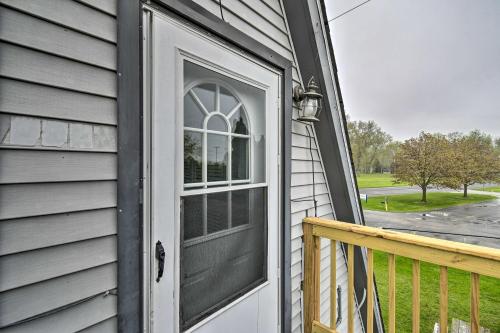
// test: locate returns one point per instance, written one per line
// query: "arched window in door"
(216, 137)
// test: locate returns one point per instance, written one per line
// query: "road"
(474, 224)
(412, 189)
(397, 190)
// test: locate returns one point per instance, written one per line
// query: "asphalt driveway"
(396, 190)
(474, 224)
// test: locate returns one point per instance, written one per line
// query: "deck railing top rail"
(475, 259)
(471, 258)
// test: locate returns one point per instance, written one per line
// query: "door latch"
(160, 255)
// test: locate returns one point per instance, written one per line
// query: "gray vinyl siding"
(264, 20)
(58, 174)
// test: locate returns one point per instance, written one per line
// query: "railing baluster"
(369, 291)
(333, 284)
(392, 293)
(350, 289)
(474, 302)
(416, 296)
(443, 299)
(312, 250)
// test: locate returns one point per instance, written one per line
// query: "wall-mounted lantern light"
(309, 101)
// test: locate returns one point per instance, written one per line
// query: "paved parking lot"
(474, 224)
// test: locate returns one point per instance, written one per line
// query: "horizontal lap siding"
(33, 99)
(73, 319)
(58, 160)
(264, 21)
(24, 64)
(108, 325)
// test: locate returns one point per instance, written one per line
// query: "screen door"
(214, 156)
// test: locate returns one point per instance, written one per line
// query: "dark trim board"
(303, 34)
(130, 149)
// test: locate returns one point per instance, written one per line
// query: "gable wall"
(58, 165)
(58, 154)
(264, 20)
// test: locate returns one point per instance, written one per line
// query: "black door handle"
(160, 255)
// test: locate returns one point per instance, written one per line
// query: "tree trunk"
(424, 193)
(465, 190)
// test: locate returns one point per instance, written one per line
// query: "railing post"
(416, 296)
(474, 303)
(312, 256)
(443, 300)
(369, 291)
(350, 289)
(333, 284)
(392, 293)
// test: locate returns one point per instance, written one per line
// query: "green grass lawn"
(490, 189)
(458, 286)
(366, 180)
(411, 202)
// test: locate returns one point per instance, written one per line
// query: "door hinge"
(302, 285)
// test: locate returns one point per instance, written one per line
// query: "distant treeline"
(455, 160)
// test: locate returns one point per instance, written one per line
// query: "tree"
(474, 160)
(385, 158)
(423, 161)
(497, 145)
(367, 141)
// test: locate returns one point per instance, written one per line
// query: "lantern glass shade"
(309, 101)
(310, 109)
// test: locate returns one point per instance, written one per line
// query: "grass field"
(459, 288)
(411, 202)
(366, 180)
(490, 189)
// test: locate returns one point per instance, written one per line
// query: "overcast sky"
(414, 65)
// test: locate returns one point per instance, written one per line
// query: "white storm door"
(214, 184)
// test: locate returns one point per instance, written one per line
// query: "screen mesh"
(229, 258)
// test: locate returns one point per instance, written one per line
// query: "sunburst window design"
(216, 136)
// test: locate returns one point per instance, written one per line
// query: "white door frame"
(149, 260)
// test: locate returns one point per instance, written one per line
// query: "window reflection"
(239, 158)
(227, 101)
(193, 114)
(206, 94)
(217, 123)
(217, 157)
(193, 157)
(239, 122)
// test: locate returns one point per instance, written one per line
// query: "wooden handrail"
(471, 258)
(475, 259)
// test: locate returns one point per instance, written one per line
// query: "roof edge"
(314, 51)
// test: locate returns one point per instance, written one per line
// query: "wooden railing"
(474, 259)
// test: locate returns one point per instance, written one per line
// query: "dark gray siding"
(58, 166)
